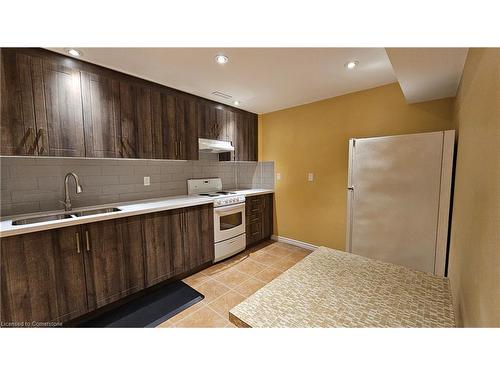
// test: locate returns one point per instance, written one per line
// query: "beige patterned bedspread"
(332, 288)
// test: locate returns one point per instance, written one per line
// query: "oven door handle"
(231, 208)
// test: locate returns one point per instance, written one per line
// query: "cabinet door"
(211, 121)
(159, 244)
(267, 215)
(17, 125)
(229, 134)
(251, 121)
(187, 128)
(42, 277)
(101, 115)
(241, 144)
(164, 125)
(204, 127)
(179, 258)
(113, 260)
(136, 121)
(62, 107)
(199, 235)
(220, 124)
(144, 123)
(229, 128)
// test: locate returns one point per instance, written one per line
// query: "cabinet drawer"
(255, 231)
(252, 217)
(254, 204)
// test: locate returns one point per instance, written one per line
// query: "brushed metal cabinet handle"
(26, 136)
(77, 243)
(42, 148)
(87, 238)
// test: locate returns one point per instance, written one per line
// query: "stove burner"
(225, 192)
(209, 194)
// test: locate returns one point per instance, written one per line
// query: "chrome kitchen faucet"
(67, 200)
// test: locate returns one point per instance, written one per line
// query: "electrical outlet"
(310, 177)
(147, 181)
(278, 176)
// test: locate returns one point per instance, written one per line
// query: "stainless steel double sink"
(69, 215)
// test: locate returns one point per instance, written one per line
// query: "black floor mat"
(149, 310)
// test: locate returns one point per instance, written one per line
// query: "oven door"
(229, 221)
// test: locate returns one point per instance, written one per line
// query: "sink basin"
(41, 219)
(96, 211)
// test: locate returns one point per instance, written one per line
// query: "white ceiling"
(428, 73)
(268, 79)
(262, 79)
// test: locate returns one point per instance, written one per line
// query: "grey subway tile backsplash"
(31, 184)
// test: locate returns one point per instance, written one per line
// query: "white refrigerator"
(398, 199)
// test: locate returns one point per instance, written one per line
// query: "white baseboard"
(297, 243)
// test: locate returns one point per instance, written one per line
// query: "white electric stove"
(229, 215)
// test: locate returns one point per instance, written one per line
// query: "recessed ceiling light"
(236, 102)
(221, 59)
(351, 64)
(74, 52)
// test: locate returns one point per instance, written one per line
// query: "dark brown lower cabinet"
(43, 277)
(58, 275)
(267, 216)
(198, 235)
(177, 241)
(113, 260)
(160, 241)
(259, 218)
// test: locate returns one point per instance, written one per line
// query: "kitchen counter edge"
(132, 208)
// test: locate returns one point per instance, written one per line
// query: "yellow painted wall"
(314, 138)
(474, 263)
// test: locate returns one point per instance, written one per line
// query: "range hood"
(214, 146)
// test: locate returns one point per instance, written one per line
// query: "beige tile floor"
(228, 283)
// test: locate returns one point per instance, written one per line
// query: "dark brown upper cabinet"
(175, 126)
(252, 141)
(187, 127)
(211, 121)
(18, 129)
(164, 125)
(136, 121)
(54, 105)
(239, 128)
(241, 142)
(61, 89)
(101, 115)
(41, 107)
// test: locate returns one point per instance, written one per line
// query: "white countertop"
(126, 209)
